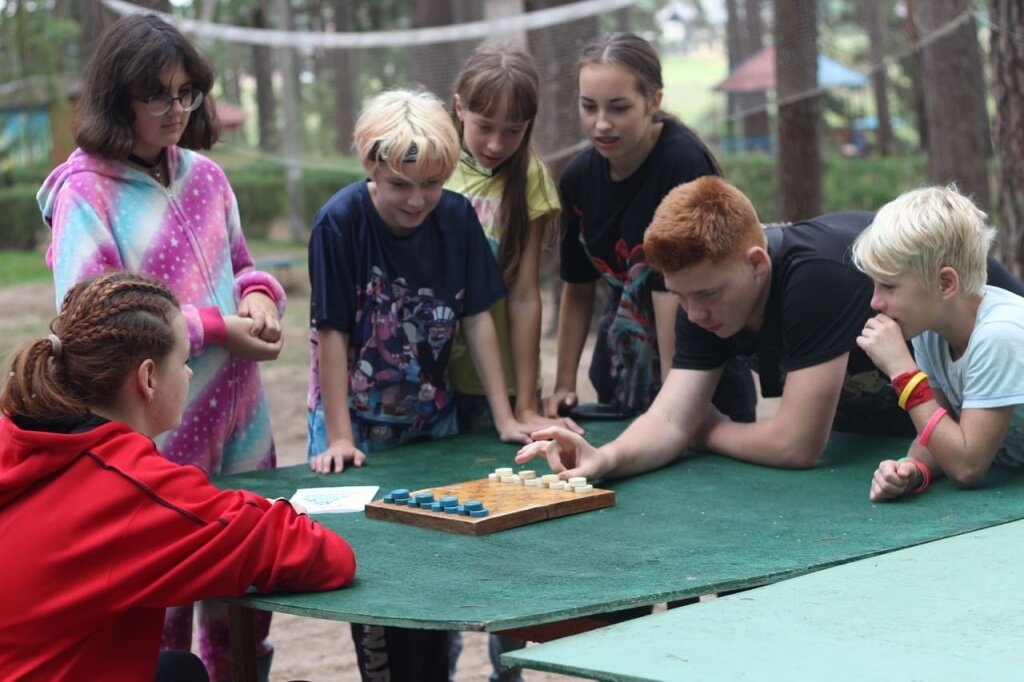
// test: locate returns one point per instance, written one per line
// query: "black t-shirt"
(603, 221)
(603, 225)
(817, 305)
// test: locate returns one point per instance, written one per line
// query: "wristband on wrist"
(921, 394)
(900, 381)
(926, 433)
(259, 288)
(909, 387)
(214, 328)
(926, 475)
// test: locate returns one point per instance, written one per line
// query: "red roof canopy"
(229, 115)
(755, 74)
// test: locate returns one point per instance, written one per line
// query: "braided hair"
(106, 326)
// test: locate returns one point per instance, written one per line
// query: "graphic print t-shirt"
(398, 298)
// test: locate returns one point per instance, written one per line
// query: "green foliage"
(21, 222)
(24, 175)
(850, 184)
(260, 200)
(35, 40)
(262, 197)
(865, 184)
(754, 175)
(320, 185)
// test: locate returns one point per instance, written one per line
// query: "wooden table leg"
(242, 633)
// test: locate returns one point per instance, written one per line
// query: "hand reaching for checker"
(566, 452)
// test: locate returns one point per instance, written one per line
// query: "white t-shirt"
(991, 371)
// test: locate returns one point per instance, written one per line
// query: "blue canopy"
(757, 73)
(832, 74)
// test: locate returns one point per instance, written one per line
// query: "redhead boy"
(791, 300)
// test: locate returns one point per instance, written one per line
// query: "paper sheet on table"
(338, 500)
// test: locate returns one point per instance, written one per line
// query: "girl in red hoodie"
(101, 533)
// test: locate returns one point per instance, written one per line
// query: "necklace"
(154, 168)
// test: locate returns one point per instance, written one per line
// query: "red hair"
(704, 220)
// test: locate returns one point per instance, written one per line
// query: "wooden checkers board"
(510, 505)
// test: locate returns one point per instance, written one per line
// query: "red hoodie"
(99, 534)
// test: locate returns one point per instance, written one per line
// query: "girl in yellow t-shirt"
(495, 106)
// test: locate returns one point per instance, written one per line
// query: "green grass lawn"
(688, 81)
(23, 267)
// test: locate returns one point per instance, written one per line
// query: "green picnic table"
(704, 524)
(945, 610)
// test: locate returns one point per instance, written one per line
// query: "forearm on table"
(770, 442)
(650, 442)
(963, 450)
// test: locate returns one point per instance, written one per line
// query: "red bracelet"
(900, 382)
(926, 477)
(921, 394)
(926, 432)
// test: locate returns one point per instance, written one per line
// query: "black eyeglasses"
(158, 105)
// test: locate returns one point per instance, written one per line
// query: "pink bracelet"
(930, 426)
(926, 477)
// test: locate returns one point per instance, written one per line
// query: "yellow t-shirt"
(484, 191)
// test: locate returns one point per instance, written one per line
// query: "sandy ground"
(306, 649)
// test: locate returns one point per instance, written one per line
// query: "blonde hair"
(406, 126)
(924, 230)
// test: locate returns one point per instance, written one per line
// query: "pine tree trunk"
(954, 97)
(796, 75)
(1008, 89)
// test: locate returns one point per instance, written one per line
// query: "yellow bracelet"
(909, 388)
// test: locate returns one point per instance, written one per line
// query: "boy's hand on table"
(336, 456)
(893, 479)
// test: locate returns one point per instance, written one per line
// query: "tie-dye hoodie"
(106, 215)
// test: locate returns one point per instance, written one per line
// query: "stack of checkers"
(576, 484)
(446, 505)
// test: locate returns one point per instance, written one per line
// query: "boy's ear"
(949, 281)
(458, 106)
(759, 260)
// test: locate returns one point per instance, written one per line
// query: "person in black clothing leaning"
(789, 300)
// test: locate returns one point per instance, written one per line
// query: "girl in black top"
(610, 192)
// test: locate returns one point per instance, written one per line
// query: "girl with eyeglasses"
(135, 196)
